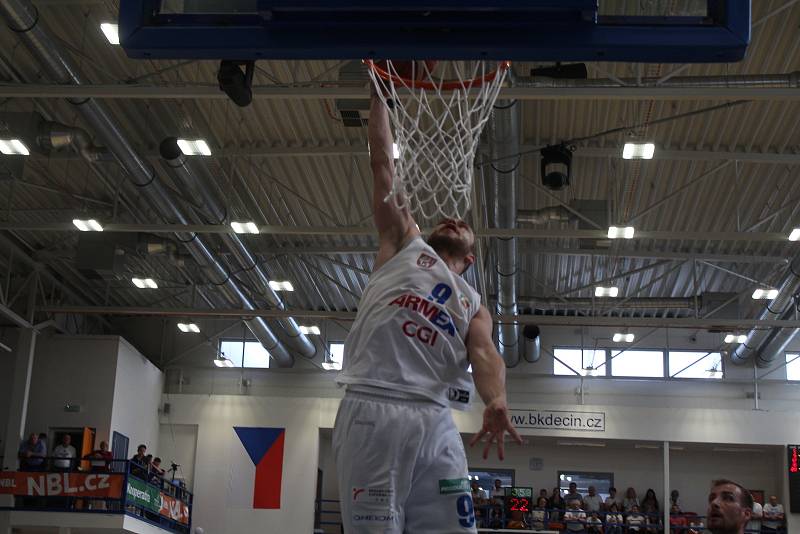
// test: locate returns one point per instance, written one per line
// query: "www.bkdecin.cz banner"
(61, 484)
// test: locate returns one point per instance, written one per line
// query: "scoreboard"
(518, 500)
(794, 478)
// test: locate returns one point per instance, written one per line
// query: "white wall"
(75, 370)
(178, 443)
(138, 385)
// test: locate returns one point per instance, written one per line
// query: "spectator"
(614, 522)
(673, 497)
(43, 439)
(516, 521)
(574, 517)
(477, 494)
(651, 511)
(64, 454)
(772, 516)
(556, 505)
(543, 493)
(498, 492)
(612, 498)
(32, 453)
(539, 513)
(630, 500)
(156, 471)
(573, 495)
(140, 454)
(754, 525)
(677, 521)
(729, 507)
(636, 522)
(592, 502)
(100, 459)
(594, 525)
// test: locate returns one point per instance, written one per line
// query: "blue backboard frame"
(531, 30)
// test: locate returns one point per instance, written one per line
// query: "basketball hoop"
(438, 111)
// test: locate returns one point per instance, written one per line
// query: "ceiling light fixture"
(222, 361)
(556, 167)
(626, 338)
(795, 235)
(13, 147)
(765, 294)
(281, 285)
(111, 31)
(617, 232)
(310, 330)
(248, 227)
(601, 291)
(638, 151)
(740, 338)
(87, 225)
(194, 147)
(189, 328)
(144, 283)
(581, 443)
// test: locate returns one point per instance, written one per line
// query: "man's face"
(773, 500)
(725, 511)
(474, 486)
(33, 438)
(613, 493)
(141, 450)
(453, 238)
(573, 488)
(103, 446)
(66, 440)
(592, 490)
(497, 484)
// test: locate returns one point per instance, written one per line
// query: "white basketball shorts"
(401, 467)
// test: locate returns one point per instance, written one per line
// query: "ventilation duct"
(45, 136)
(765, 345)
(791, 79)
(24, 20)
(505, 142)
(532, 344)
(545, 215)
(195, 177)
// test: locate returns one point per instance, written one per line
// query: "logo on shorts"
(357, 492)
(426, 261)
(448, 486)
(373, 495)
(458, 395)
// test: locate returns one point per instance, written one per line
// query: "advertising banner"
(99, 485)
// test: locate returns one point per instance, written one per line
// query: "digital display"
(794, 477)
(518, 500)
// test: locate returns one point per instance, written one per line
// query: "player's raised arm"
(489, 374)
(395, 225)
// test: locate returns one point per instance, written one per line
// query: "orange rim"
(449, 85)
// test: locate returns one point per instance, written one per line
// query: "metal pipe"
(545, 215)
(505, 142)
(54, 135)
(23, 18)
(536, 302)
(196, 177)
(532, 343)
(766, 344)
(791, 79)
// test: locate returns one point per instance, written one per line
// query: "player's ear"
(469, 259)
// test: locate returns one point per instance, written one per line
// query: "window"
(245, 353)
(683, 364)
(643, 363)
(336, 351)
(792, 366)
(601, 482)
(587, 362)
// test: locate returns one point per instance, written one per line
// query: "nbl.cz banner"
(99, 485)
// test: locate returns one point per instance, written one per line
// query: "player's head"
(730, 506)
(455, 240)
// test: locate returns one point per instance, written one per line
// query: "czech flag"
(257, 463)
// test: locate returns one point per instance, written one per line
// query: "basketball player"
(400, 458)
(730, 506)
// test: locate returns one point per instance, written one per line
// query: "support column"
(667, 502)
(20, 388)
(5, 522)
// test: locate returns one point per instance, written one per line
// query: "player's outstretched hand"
(495, 424)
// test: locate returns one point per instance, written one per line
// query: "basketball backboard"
(664, 31)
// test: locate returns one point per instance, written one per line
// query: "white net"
(437, 126)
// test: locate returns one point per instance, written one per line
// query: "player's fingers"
(488, 447)
(477, 437)
(514, 434)
(501, 451)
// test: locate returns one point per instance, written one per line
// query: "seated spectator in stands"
(477, 495)
(651, 511)
(556, 505)
(729, 507)
(140, 454)
(100, 459)
(612, 498)
(156, 471)
(32, 453)
(636, 522)
(498, 492)
(754, 525)
(539, 514)
(772, 516)
(630, 500)
(516, 521)
(543, 493)
(574, 517)
(64, 454)
(592, 502)
(573, 495)
(614, 521)
(594, 525)
(677, 521)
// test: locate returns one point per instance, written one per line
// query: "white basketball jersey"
(410, 331)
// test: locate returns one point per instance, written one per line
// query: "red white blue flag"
(256, 468)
